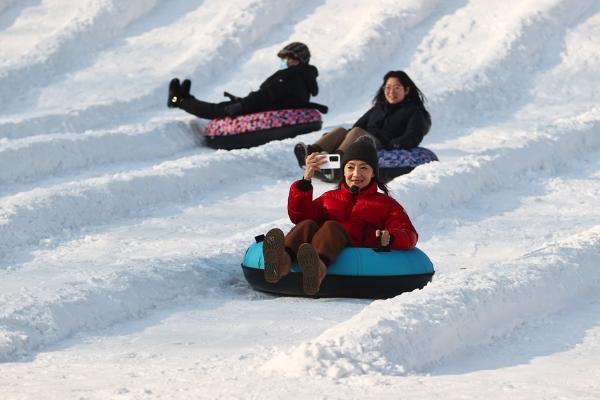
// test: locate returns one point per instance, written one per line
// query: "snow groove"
(433, 186)
(210, 50)
(20, 159)
(98, 304)
(382, 33)
(92, 26)
(28, 217)
(493, 82)
(410, 333)
(38, 315)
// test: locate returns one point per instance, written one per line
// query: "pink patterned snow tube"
(261, 121)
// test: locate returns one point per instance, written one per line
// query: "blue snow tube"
(357, 272)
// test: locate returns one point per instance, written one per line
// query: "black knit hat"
(362, 149)
(296, 50)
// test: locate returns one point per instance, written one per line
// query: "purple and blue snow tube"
(393, 163)
(256, 129)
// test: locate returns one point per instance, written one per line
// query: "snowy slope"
(121, 234)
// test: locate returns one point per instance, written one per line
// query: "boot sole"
(185, 87)
(273, 246)
(300, 154)
(174, 87)
(308, 260)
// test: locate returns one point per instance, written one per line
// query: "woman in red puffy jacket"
(354, 214)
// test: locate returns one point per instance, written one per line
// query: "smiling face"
(358, 173)
(394, 91)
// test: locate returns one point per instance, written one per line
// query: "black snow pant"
(203, 109)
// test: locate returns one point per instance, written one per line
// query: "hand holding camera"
(319, 161)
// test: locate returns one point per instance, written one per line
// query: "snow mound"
(411, 332)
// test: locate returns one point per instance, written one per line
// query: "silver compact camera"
(333, 162)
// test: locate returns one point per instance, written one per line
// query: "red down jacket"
(360, 214)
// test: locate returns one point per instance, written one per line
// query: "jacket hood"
(309, 75)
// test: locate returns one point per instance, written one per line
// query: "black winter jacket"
(286, 88)
(397, 126)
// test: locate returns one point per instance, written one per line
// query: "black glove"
(233, 109)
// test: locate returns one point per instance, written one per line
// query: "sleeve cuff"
(304, 185)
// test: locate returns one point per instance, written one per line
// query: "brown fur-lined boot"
(277, 261)
(313, 269)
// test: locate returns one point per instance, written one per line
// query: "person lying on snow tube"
(397, 120)
(354, 214)
(290, 87)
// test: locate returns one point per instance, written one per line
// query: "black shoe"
(174, 90)
(301, 151)
(186, 85)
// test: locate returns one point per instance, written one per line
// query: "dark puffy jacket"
(360, 214)
(286, 88)
(397, 126)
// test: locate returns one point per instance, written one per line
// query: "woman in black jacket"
(397, 120)
(290, 87)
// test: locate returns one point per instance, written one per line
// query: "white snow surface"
(121, 234)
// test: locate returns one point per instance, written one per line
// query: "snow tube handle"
(231, 96)
(323, 109)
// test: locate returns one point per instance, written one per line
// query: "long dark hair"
(382, 186)
(414, 93)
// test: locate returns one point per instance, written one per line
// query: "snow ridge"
(30, 319)
(410, 333)
(204, 52)
(458, 181)
(91, 26)
(65, 152)
(28, 217)
(494, 77)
